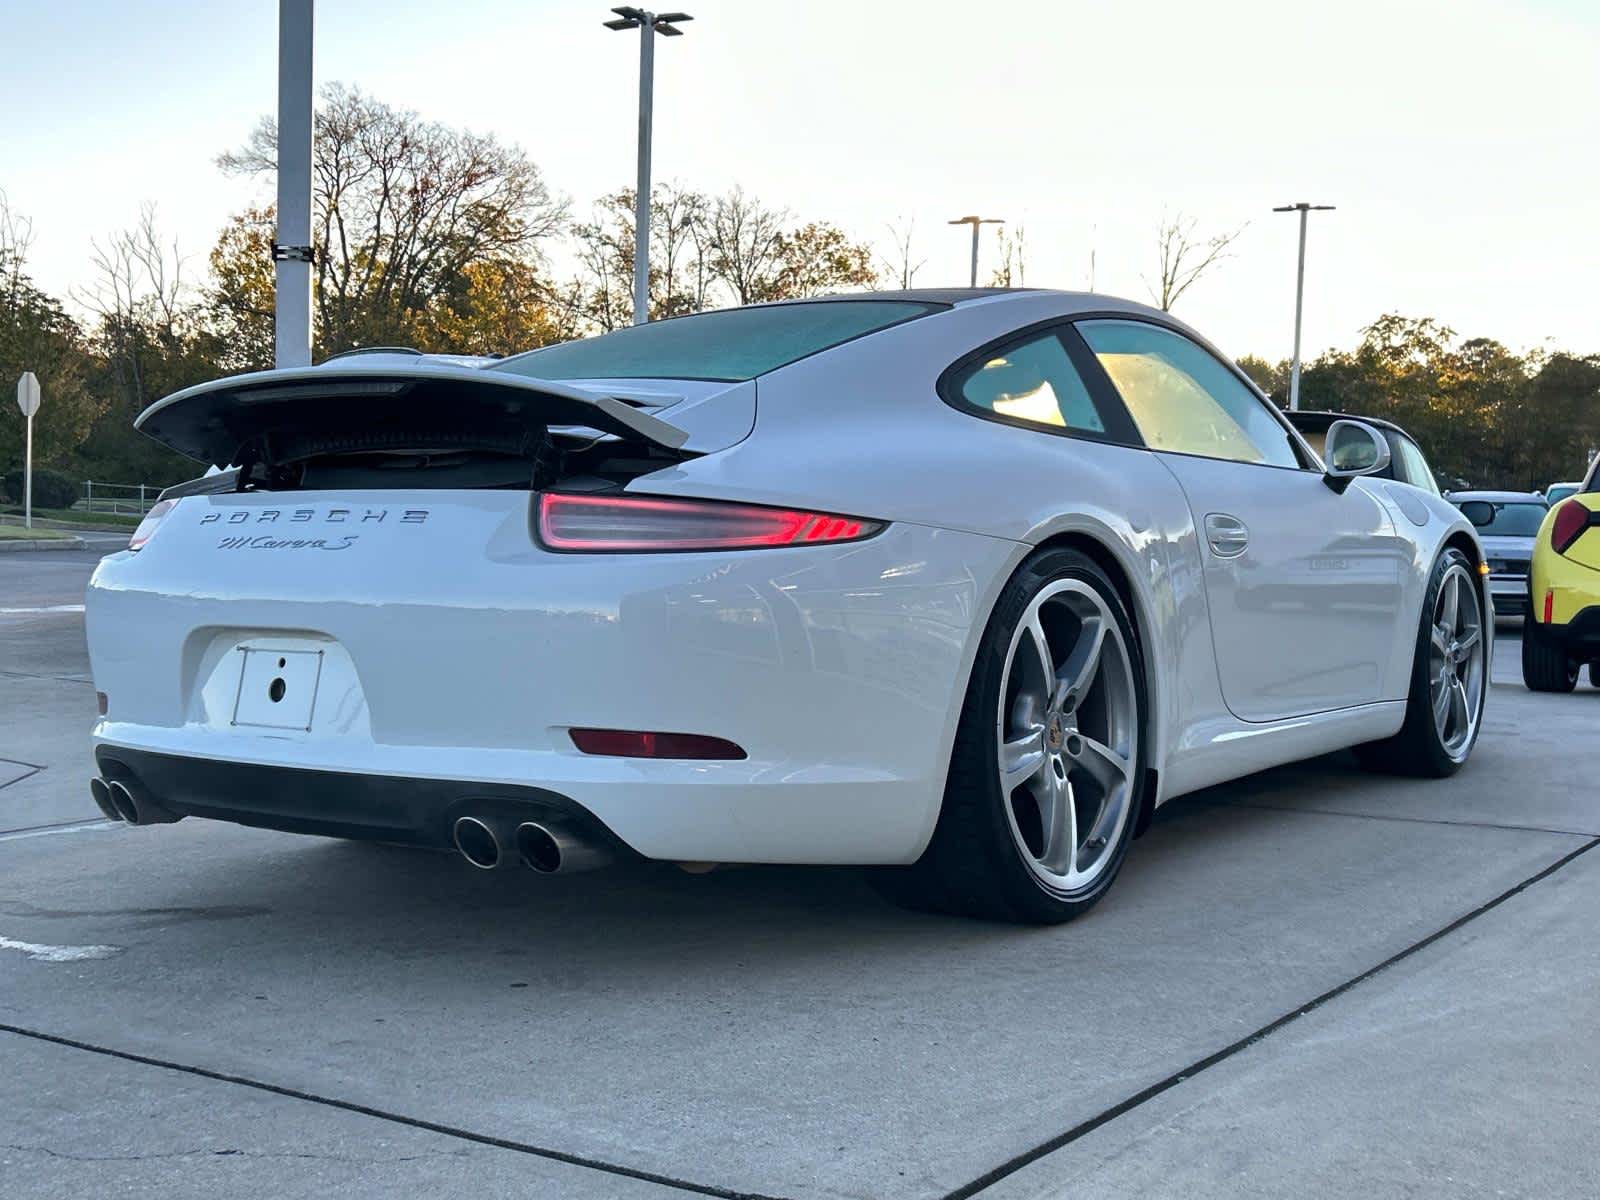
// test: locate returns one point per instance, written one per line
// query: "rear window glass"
(732, 344)
(1497, 519)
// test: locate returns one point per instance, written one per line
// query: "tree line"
(1484, 415)
(450, 241)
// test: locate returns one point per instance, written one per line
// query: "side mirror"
(1353, 448)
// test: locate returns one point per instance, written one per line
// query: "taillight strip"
(581, 522)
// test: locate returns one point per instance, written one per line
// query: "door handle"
(1227, 535)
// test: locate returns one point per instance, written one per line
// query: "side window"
(1413, 467)
(1183, 399)
(1033, 381)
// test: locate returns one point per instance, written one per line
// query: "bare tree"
(1012, 270)
(898, 265)
(142, 305)
(745, 239)
(1184, 259)
(16, 239)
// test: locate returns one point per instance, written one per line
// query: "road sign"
(28, 402)
(28, 393)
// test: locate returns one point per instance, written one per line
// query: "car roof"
(952, 295)
(1318, 420)
(1495, 497)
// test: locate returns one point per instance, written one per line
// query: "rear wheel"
(1546, 667)
(1048, 764)
(1594, 674)
(1449, 680)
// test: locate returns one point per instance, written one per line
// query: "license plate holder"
(277, 688)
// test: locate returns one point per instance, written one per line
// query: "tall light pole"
(291, 247)
(648, 24)
(975, 222)
(1299, 293)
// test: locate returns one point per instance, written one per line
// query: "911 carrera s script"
(268, 542)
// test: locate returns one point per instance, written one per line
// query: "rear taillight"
(1572, 518)
(147, 527)
(568, 521)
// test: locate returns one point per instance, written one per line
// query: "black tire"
(1418, 750)
(1594, 674)
(972, 865)
(1546, 667)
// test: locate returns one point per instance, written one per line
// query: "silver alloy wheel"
(1068, 735)
(1456, 657)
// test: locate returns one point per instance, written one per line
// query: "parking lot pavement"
(358, 1016)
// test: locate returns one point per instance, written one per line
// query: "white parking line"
(47, 608)
(59, 954)
(50, 830)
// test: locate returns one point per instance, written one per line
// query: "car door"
(1303, 583)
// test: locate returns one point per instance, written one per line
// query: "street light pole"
(1299, 294)
(648, 24)
(975, 222)
(291, 247)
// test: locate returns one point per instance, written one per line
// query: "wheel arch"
(1460, 539)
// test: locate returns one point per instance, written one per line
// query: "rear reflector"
(1572, 518)
(568, 521)
(627, 743)
(1549, 605)
(147, 527)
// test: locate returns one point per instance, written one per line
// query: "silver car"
(1507, 523)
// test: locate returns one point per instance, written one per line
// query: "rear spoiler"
(227, 420)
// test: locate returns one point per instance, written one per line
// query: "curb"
(17, 545)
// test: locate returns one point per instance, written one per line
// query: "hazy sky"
(1460, 140)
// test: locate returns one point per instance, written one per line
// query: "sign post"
(28, 402)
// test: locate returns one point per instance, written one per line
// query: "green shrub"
(51, 488)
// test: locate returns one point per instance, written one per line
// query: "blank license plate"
(277, 688)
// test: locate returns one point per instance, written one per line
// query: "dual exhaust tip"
(485, 842)
(127, 801)
(492, 842)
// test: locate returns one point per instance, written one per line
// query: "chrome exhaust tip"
(101, 791)
(132, 805)
(485, 842)
(551, 850)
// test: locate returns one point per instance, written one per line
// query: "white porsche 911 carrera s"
(961, 584)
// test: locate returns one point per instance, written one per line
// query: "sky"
(1459, 141)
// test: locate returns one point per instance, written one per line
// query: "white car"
(963, 583)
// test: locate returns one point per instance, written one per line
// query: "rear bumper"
(467, 658)
(390, 808)
(1579, 637)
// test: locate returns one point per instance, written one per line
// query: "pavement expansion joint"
(468, 1135)
(1367, 816)
(1060, 1141)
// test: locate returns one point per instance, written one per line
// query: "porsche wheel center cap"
(1055, 732)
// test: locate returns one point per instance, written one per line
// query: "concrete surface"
(785, 1032)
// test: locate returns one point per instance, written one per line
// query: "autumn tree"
(680, 269)
(709, 251)
(406, 212)
(36, 334)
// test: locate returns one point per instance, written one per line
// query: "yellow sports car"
(1562, 631)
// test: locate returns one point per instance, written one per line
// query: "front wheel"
(1047, 770)
(1449, 679)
